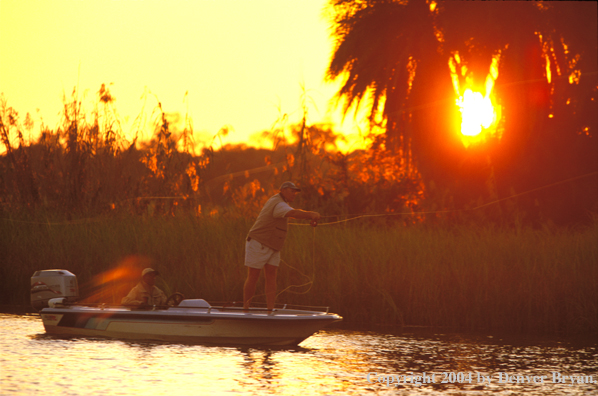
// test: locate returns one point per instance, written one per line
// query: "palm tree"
(397, 53)
(379, 46)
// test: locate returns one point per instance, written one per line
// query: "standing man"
(266, 238)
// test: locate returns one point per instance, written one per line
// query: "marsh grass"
(516, 279)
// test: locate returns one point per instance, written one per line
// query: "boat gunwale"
(220, 307)
(187, 312)
(190, 316)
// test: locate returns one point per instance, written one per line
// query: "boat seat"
(195, 303)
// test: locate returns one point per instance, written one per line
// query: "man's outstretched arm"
(302, 214)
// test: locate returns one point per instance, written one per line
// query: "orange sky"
(240, 61)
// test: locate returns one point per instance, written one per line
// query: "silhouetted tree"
(396, 53)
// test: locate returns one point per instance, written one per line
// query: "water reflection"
(331, 362)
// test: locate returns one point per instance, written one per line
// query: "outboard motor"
(50, 284)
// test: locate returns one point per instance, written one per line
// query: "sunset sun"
(477, 113)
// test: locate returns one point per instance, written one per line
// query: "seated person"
(146, 292)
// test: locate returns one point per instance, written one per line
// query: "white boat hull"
(215, 325)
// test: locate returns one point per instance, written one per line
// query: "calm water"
(331, 362)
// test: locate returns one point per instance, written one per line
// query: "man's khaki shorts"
(258, 255)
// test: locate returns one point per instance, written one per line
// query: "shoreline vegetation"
(521, 280)
(467, 253)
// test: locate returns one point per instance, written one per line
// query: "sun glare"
(477, 112)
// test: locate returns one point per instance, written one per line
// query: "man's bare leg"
(253, 275)
(270, 272)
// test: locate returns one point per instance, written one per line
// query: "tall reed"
(518, 279)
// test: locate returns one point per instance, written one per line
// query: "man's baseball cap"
(289, 184)
(147, 271)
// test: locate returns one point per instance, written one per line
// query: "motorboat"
(186, 321)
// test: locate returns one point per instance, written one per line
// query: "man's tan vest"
(268, 230)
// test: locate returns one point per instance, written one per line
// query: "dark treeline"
(397, 54)
(86, 168)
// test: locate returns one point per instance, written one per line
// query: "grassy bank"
(523, 280)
